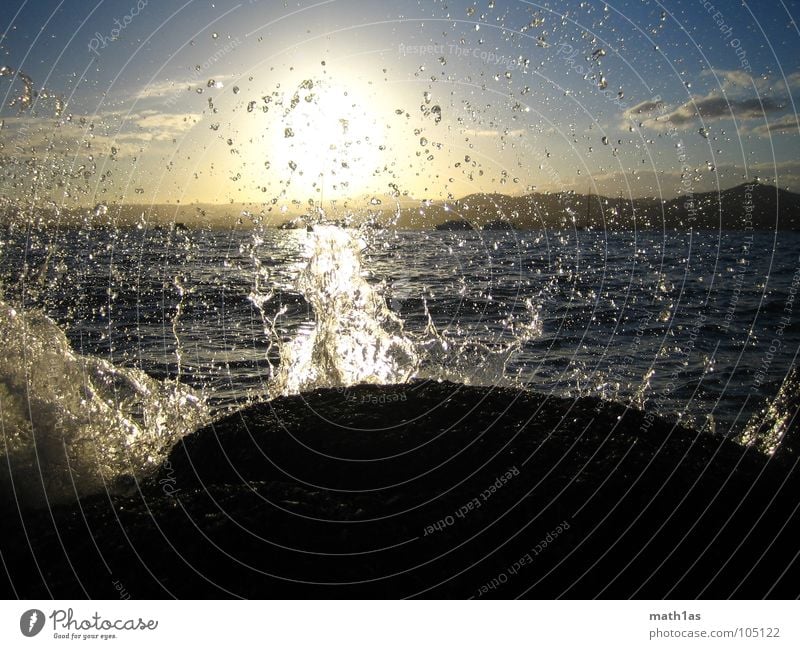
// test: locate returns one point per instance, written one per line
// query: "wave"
(358, 339)
(74, 425)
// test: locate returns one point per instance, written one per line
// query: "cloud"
(785, 125)
(738, 95)
(171, 90)
(28, 136)
(793, 80)
(162, 126)
(716, 108)
(710, 108)
(736, 81)
(494, 133)
(160, 89)
(739, 81)
(644, 107)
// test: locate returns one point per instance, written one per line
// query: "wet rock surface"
(428, 490)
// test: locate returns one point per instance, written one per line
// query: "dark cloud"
(787, 125)
(708, 109)
(712, 108)
(647, 106)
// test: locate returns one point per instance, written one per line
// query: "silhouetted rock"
(752, 205)
(455, 225)
(428, 489)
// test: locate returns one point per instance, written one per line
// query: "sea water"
(120, 341)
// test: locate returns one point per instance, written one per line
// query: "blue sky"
(640, 98)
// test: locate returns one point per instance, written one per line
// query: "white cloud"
(162, 126)
(172, 89)
(494, 133)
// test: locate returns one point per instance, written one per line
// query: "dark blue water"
(700, 326)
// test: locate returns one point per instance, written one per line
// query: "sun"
(325, 141)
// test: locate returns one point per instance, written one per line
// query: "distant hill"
(455, 225)
(756, 205)
(762, 207)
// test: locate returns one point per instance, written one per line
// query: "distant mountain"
(754, 205)
(455, 225)
(761, 207)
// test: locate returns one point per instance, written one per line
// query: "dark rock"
(432, 490)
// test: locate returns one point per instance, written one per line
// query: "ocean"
(179, 326)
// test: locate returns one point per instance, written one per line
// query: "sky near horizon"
(274, 102)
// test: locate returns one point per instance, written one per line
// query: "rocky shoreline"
(427, 490)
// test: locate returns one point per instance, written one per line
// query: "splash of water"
(462, 359)
(356, 338)
(28, 95)
(73, 425)
(768, 430)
